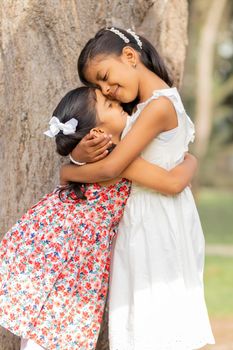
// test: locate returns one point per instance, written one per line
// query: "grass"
(216, 213)
(219, 286)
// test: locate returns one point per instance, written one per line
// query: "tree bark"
(40, 42)
(165, 25)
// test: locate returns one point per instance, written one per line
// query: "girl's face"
(115, 76)
(110, 115)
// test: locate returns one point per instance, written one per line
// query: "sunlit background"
(208, 96)
(39, 47)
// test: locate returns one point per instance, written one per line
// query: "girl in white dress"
(156, 290)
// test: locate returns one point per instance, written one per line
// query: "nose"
(105, 89)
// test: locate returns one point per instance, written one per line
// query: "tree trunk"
(40, 43)
(205, 62)
(165, 25)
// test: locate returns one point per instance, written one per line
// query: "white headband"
(56, 126)
(136, 37)
(121, 35)
(124, 38)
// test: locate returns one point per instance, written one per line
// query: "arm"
(152, 120)
(148, 175)
(163, 181)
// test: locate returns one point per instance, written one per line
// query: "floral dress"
(54, 267)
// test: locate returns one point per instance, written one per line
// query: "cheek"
(131, 84)
(116, 123)
(131, 92)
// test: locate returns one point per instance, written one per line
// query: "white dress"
(156, 297)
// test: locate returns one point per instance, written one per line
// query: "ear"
(96, 132)
(129, 55)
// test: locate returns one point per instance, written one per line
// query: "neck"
(148, 82)
(116, 137)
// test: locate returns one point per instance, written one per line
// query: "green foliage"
(217, 161)
(216, 213)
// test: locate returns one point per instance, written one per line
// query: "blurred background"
(207, 91)
(40, 41)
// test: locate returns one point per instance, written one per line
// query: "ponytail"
(153, 61)
(80, 105)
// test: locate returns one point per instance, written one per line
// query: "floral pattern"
(54, 267)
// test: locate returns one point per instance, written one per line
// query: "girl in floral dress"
(54, 263)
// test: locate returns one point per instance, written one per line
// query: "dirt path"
(220, 250)
(223, 333)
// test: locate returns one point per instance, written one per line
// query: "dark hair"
(79, 104)
(106, 42)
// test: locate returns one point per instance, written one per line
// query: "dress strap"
(174, 97)
(171, 93)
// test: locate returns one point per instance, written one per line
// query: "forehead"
(102, 103)
(96, 64)
(99, 96)
(100, 100)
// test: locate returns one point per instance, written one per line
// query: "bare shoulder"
(159, 110)
(162, 105)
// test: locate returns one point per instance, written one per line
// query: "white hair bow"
(56, 126)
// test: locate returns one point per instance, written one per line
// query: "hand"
(92, 148)
(194, 161)
(192, 158)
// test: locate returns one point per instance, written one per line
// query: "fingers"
(87, 137)
(101, 150)
(93, 148)
(101, 156)
(98, 142)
